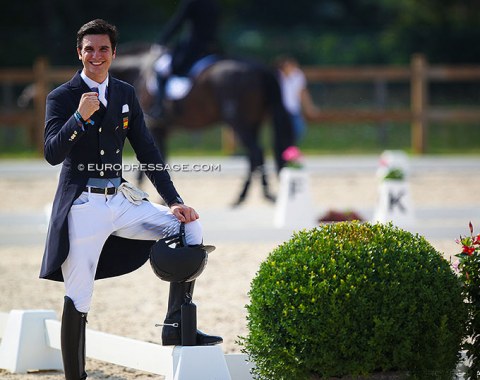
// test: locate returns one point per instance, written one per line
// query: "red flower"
(469, 250)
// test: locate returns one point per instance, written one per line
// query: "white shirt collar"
(91, 83)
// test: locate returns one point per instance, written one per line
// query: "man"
(202, 18)
(101, 226)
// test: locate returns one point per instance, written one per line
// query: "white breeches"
(93, 218)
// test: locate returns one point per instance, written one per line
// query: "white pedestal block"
(239, 366)
(24, 344)
(395, 204)
(294, 206)
(199, 363)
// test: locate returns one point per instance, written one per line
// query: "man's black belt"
(101, 190)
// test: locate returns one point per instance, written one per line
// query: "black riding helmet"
(180, 263)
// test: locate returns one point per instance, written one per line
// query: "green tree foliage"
(447, 31)
(48, 27)
(317, 32)
(364, 31)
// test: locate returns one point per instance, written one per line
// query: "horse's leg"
(139, 178)
(254, 153)
(160, 136)
(265, 187)
(247, 183)
(243, 193)
(249, 138)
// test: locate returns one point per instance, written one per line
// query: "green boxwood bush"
(354, 299)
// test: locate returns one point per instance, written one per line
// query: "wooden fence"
(44, 77)
(419, 75)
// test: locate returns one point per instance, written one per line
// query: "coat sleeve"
(61, 128)
(147, 153)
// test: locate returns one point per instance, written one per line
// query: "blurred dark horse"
(239, 93)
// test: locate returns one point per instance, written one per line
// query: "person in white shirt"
(295, 94)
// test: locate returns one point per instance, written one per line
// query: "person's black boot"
(171, 332)
(72, 337)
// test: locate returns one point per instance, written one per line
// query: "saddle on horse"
(166, 85)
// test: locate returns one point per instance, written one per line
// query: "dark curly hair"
(98, 26)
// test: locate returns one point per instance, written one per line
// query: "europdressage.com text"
(95, 167)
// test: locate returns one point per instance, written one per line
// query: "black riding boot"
(171, 332)
(73, 341)
(156, 110)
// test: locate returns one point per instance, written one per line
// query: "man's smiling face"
(96, 55)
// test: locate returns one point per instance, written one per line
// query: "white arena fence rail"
(30, 341)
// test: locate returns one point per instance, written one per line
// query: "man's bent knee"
(193, 233)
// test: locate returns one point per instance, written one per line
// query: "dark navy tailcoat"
(96, 151)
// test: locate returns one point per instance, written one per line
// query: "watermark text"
(98, 167)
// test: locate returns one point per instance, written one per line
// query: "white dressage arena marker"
(294, 206)
(395, 204)
(394, 199)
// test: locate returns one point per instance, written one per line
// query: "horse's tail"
(283, 136)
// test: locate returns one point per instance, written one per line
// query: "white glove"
(132, 193)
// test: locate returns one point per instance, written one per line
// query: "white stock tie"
(101, 94)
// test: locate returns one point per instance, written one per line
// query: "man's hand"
(184, 213)
(89, 104)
